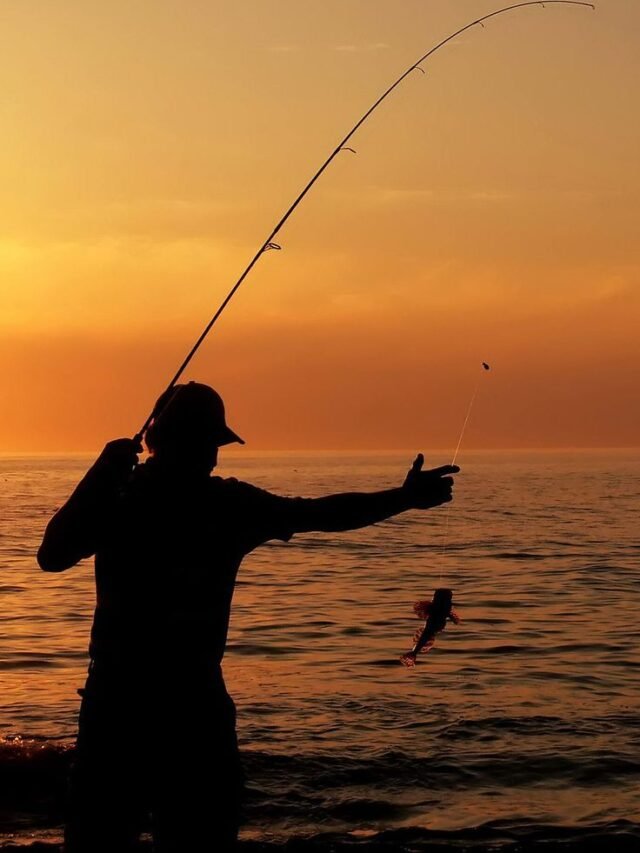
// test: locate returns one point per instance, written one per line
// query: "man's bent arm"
(72, 533)
(68, 536)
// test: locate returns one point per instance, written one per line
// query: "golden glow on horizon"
(491, 213)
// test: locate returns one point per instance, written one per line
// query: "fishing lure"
(436, 612)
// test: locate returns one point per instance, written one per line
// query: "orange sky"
(491, 213)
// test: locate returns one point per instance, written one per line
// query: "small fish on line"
(436, 612)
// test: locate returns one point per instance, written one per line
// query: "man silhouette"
(156, 732)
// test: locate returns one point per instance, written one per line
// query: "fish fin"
(422, 609)
(427, 647)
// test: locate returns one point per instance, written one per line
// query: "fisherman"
(156, 731)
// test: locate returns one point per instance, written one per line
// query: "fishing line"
(445, 534)
(269, 244)
(466, 421)
(439, 610)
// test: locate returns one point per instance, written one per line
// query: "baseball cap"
(190, 410)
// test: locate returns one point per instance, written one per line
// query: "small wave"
(28, 663)
(495, 837)
(390, 769)
(533, 725)
(330, 790)
(506, 650)
(266, 650)
(519, 555)
(29, 763)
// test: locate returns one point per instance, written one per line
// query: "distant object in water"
(485, 365)
(436, 612)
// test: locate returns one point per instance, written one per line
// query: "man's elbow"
(48, 562)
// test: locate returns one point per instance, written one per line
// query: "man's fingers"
(418, 462)
(443, 470)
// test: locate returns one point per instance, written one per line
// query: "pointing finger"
(443, 470)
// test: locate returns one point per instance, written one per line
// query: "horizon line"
(237, 452)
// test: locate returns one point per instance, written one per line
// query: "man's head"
(189, 426)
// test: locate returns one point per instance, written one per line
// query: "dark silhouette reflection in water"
(168, 539)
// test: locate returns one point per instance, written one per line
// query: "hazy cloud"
(400, 195)
(283, 48)
(360, 48)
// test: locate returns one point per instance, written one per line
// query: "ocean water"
(519, 731)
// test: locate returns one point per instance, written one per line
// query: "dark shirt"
(167, 555)
(168, 547)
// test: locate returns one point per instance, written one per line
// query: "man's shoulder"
(236, 491)
(228, 483)
(268, 515)
(232, 487)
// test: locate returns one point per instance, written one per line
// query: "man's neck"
(177, 468)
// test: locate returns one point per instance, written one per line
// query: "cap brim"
(228, 436)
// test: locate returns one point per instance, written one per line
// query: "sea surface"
(519, 731)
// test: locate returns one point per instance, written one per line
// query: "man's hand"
(117, 460)
(426, 489)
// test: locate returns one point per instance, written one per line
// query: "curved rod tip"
(266, 246)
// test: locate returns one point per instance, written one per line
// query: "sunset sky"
(491, 213)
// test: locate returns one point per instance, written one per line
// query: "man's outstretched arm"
(71, 534)
(348, 511)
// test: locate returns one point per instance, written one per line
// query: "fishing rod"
(270, 244)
